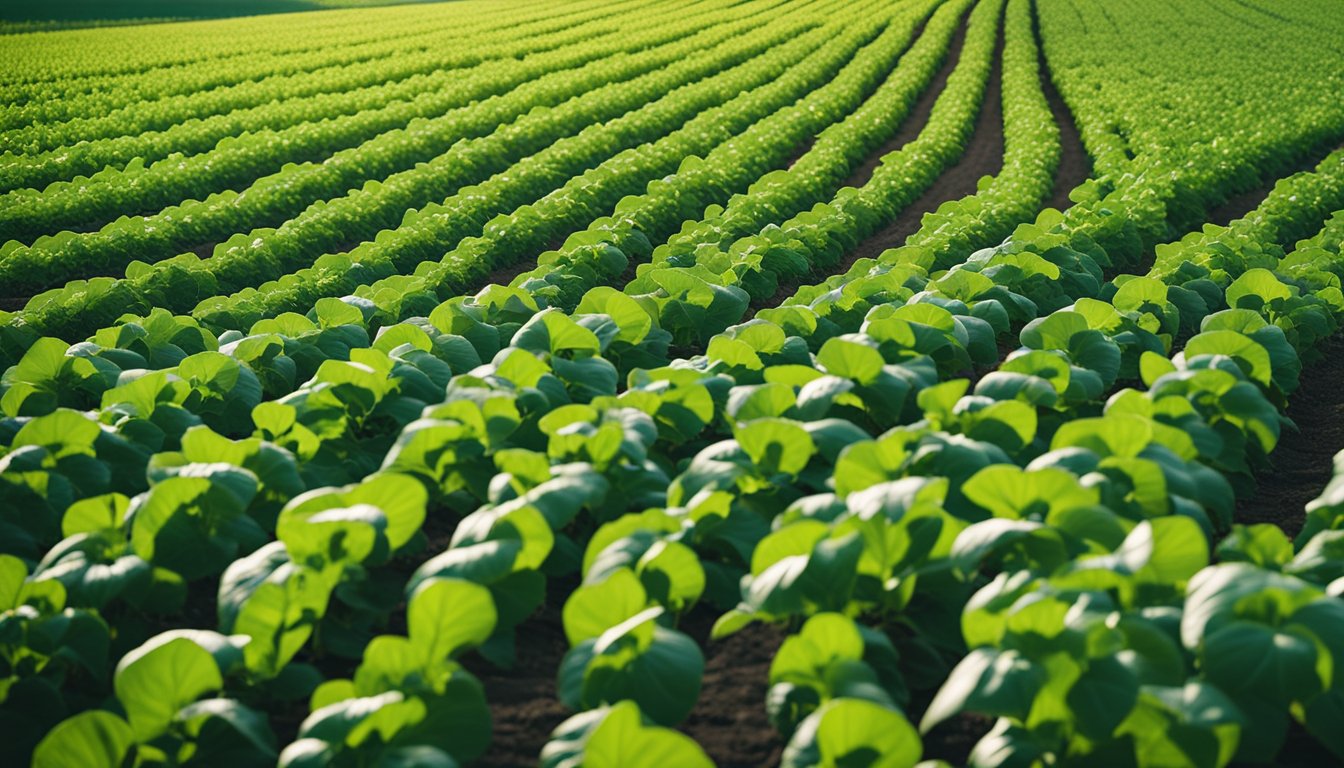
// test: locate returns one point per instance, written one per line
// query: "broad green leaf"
(157, 679)
(1016, 494)
(659, 669)
(1265, 545)
(824, 638)
(1000, 683)
(672, 574)
(92, 739)
(1229, 592)
(1256, 288)
(445, 616)
(776, 445)
(552, 332)
(226, 726)
(1039, 363)
(331, 312)
(622, 741)
(63, 432)
(1102, 698)
(399, 497)
(96, 513)
(749, 402)
(851, 360)
(630, 317)
(351, 722)
(1251, 660)
(1153, 366)
(1320, 560)
(13, 572)
(1253, 358)
(1007, 745)
(1323, 716)
(279, 615)
(846, 732)
(593, 608)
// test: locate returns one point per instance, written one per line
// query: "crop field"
(666, 384)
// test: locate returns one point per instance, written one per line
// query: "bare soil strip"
(523, 701)
(1301, 464)
(729, 720)
(983, 156)
(1243, 203)
(503, 275)
(1074, 163)
(918, 117)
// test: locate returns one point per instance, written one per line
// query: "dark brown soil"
(908, 221)
(523, 700)
(1074, 164)
(729, 720)
(1239, 205)
(953, 739)
(803, 148)
(919, 115)
(983, 157)
(1302, 461)
(1242, 203)
(1231, 209)
(505, 275)
(346, 246)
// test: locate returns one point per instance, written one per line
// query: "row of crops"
(342, 352)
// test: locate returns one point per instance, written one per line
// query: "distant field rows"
(647, 383)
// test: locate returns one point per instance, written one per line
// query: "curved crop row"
(200, 135)
(976, 483)
(587, 259)
(603, 474)
(160, 113)
(52, 102)
(363, 213)
(360, 143)
(287, 192)
(637, 219)
(141, 51)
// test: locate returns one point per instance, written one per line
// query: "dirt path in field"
(1240, 204)
(918, 116)
(1236, 206)
(983, 157)
(523, 701)
(1302, 461)
(1302, 465)
(505, 274)
(988, 132)
(1074, 163)
(803, 148)
(729, 720)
